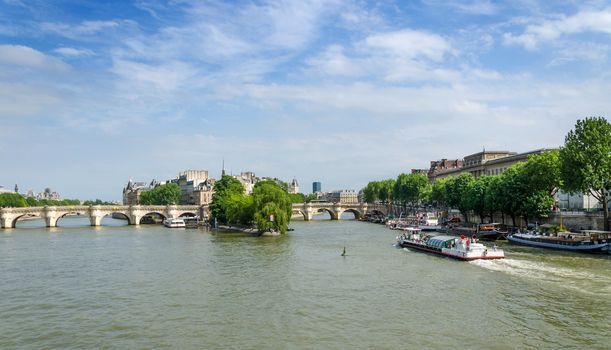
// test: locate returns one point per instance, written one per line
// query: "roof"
(442, 238)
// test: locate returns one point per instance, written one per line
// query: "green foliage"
(239, 209)
(297, 197)
(475, 198)
(537, 204)
(410, 188)
(17, 200)
(223, 191)
(371, 192)
(161, 195)
(438, 192)
(97, 202)
(456, 192)
(385, 190)
(13, 200)
(542, 172)
(586, 160)
(310, 197)
(271, 201)
(272, 217)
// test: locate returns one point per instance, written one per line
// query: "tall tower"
(223, 172)
(16, 189)
(293, 186)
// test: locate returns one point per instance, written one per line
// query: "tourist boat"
(491, 232)
(174, 223)
(587, 243)
(461, 248)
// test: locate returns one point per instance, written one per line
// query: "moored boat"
(461, 248)
(491, 232)
(174, 223)
(596, 243)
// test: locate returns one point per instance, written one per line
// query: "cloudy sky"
(94, 93)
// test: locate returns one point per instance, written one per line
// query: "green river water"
(149, 287)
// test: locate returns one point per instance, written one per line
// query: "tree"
(311, 197)
(385, 190)
(161, 195)
(11, 199)
(543, 172)
(586, 161)
(409, 188)
(370, 192)
(438, 193)
(297, 197)
(272, 206)
(223, 190)
(476, 196)
(492, 196)
(239, 209)
(456, 191)
(512, 191)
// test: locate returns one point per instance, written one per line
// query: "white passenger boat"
(461, 248)
(174, 223)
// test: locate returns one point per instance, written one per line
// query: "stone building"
(248, 179)
(342, 196)
(133, 190)
(438, 166)
(488, 163)
(293, 186)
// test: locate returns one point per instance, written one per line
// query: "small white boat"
(462, 248)
(174, 223)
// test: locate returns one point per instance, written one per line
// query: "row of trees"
(526, 189)
(268, 207)
(16, 200)
(167, 194)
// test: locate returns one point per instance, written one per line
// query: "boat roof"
(442, 238)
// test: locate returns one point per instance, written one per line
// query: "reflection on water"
(151, 287)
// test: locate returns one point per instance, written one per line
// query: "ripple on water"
(156, 288)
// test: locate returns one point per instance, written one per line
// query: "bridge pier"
(95, 215)
(50, 216)
(7, 221)
(51, 221)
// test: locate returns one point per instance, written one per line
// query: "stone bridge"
(307, 210)
(133, 213)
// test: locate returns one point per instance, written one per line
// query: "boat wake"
(578, 279)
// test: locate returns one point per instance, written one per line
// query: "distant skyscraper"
(316, 187)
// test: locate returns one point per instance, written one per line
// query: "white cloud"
(83, 29)
(165, 77)
(475, 7)
(24, 56)
(333, 62)
(410, 44)
(550, 30)
(73, 52)
(17, 100)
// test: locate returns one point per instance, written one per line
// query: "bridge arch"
(116, 213)
(187, 214)
(357, 213)
(332, 213)
(24, 216)
(300, 212)
(149, 214)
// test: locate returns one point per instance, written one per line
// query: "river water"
(120, 287)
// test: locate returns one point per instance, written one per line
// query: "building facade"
(293, 186)
(441, 165)
(488, 163)
(316, 187)
(133, 190)
(342, 196)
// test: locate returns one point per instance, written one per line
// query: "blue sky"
(338, 91)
